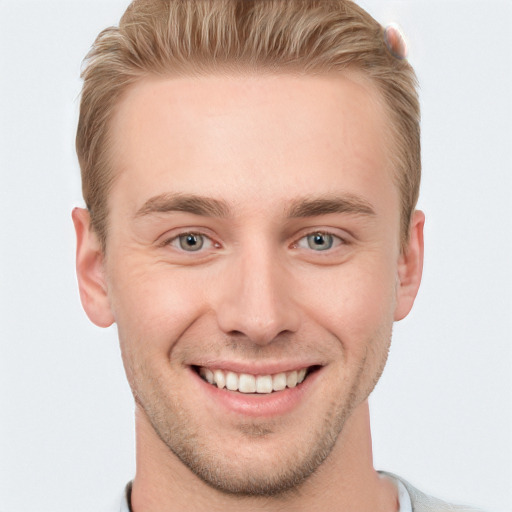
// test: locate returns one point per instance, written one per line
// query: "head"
(164, 38)
(250, 170)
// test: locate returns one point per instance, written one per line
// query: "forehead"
(245, 136)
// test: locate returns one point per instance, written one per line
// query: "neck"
(346, 480)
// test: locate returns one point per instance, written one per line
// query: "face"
(252, 267)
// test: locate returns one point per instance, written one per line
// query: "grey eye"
(320, 241)
(191, 242)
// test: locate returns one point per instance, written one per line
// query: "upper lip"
(256, 367)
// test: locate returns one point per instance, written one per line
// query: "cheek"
(153, 305)
(354, 301)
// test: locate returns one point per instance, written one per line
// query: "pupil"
(320, 241)
(191, 242)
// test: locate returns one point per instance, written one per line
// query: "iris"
(191, 242)
(320, 241)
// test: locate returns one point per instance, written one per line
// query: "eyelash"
(336, 241)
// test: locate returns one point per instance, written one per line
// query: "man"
(251, 170)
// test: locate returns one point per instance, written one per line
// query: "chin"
(273, 473)
(257, 458)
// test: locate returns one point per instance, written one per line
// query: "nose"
(256, 299)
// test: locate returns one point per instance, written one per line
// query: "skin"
(257, 294)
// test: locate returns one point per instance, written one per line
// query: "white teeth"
(291, 379)
(232, 381)
(219, 378)
(279, 381)
(264, 384)
(247, 383)
(208, 375)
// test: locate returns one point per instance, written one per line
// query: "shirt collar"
(126, 501)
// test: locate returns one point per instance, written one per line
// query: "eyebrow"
(298, 208)
(198, 205)
(347, 203)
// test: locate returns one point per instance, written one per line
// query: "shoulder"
(422, 502)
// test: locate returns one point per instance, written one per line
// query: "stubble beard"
(234, 476)
(243, 479)
(193, 446)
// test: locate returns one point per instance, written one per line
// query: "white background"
(442, 412)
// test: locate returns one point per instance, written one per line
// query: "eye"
(319, 241)
(191, 242)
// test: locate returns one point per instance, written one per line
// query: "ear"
(90, 271)
(410, 267)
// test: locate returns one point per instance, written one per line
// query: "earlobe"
(90, 271)
(410, 267)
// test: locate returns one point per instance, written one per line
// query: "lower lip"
(262, 405)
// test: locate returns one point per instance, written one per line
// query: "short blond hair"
(198, 37)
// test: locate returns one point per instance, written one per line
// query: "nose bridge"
(257, 298)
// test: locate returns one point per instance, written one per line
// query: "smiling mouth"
(248, 383)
